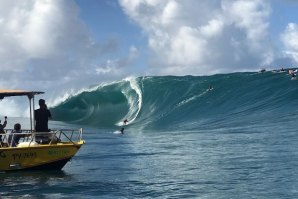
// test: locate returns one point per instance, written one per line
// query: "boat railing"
(28, 138)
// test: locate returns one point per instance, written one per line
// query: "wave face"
(185, 103)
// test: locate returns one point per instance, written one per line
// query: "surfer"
(292, 73)
(262, 70)
(210, 88)
(119, 132)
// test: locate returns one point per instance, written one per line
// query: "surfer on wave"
(210, 88)
(121, 131)
(124, 123)
(293, 74)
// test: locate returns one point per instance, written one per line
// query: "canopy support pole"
(31, 110)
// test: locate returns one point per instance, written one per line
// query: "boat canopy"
(29, 94)
(9, 93)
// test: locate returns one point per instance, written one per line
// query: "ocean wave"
(182, 102)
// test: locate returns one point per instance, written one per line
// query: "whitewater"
(183, 140)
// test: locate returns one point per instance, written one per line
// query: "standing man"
(42, 116)
(2, 126)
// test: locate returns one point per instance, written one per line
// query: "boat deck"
(28, 138)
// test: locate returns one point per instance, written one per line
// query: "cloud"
(46, 46)
(117, 67)
(204, 37)
(290, 41)
(250, 16)
(9, 108)
(45, 43)
(41, 38)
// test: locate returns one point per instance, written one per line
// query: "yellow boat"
(31, 153)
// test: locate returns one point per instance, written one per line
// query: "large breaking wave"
(185, 103)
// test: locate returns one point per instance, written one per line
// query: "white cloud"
(169, 12)
(251, 16)
(290, 40)
(117, 67)
(213, 28)
(42, 40)
(203, 37)
(186, 47)
(44, 43)
(290, 37)
(109, 67)
(9, 108)
(46, 46)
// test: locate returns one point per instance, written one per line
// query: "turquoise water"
(238, 140)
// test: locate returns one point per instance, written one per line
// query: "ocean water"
(238, 140)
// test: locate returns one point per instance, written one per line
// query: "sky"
(61, 46)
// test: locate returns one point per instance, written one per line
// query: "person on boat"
(13, 138)
(42, 116)
(2, 126)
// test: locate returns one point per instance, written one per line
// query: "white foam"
(73, 93)
(134, 105)
(117, 133)
(192, 98)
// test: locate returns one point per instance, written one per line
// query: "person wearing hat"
(42, 116)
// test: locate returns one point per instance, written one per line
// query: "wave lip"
(134, 98)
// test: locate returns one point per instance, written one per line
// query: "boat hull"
(42, 157)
